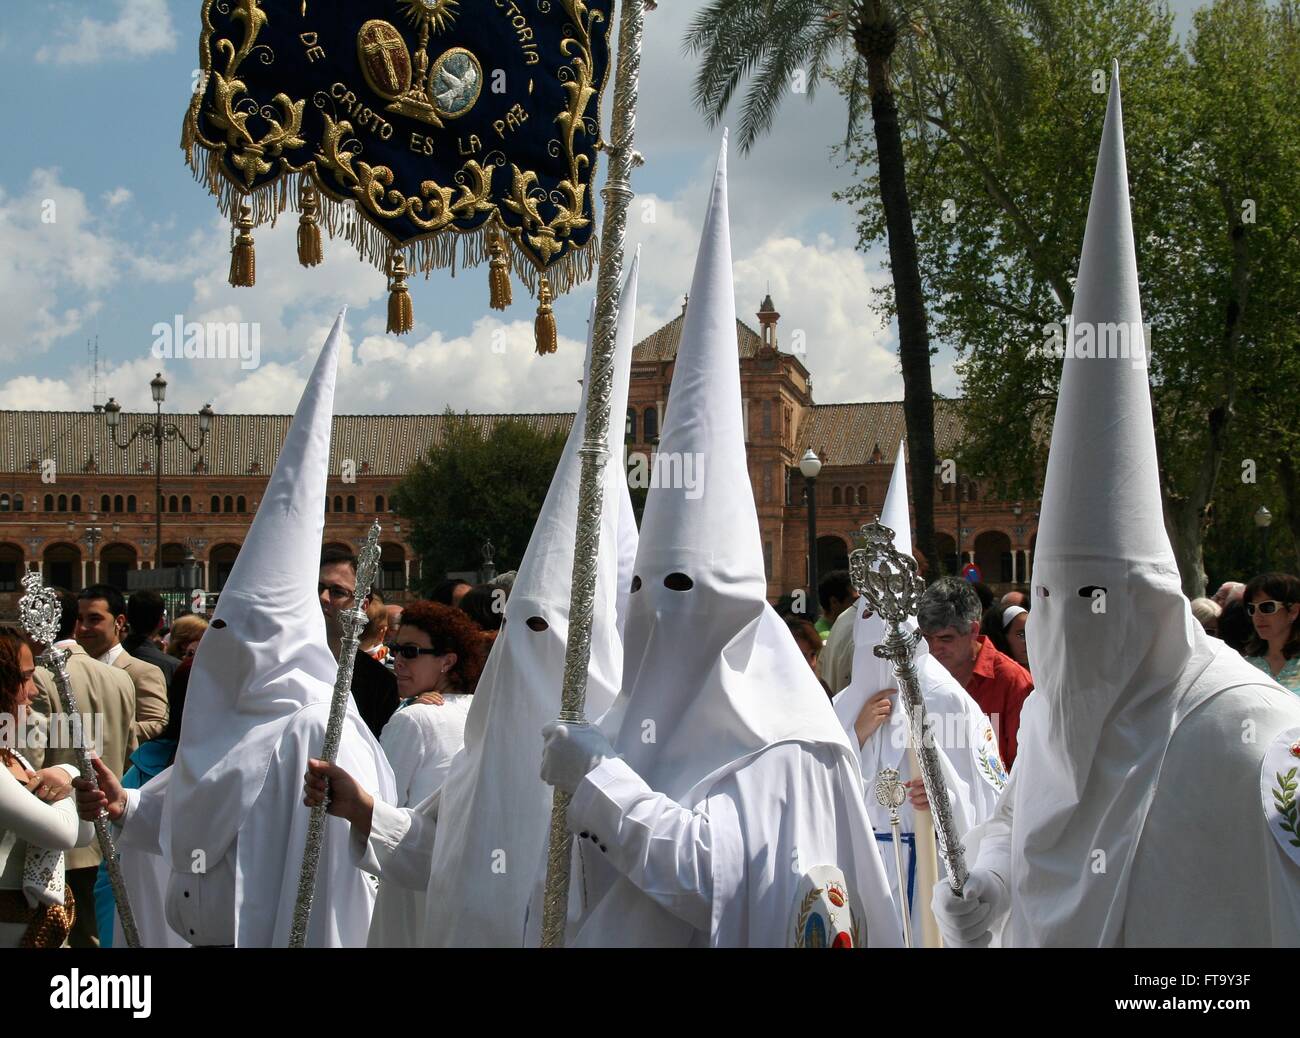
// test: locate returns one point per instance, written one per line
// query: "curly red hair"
(450, 630)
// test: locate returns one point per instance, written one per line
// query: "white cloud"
(118, 196)
(140, 28)
(52, 254)
(822, 292)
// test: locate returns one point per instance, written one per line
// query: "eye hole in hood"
(536, 623)
(1089, 590)
(218, 624)
(678, 582)
(636, 584)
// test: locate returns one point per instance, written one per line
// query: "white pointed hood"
(711, 674)
(1115, 649)
(493, 801)
(264, 656)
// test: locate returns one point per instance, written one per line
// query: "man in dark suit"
(374, 688)
(146, 620)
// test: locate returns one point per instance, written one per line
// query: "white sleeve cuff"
(132, 802)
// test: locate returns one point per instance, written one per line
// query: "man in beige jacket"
(106, 701)
(101, 623)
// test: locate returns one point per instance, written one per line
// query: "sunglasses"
(1268, 608)
(409, 651)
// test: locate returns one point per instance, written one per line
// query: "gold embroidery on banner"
(340, 174)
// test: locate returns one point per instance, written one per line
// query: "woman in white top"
(35, 909)
(439, 654)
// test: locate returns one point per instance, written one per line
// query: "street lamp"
(159, 430)
(810, 465)
(1263, 520)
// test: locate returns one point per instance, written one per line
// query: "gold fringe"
(401, 311)
(243, 261)
(544, 326)
(341, 219)
(309, 247)
(498, 275)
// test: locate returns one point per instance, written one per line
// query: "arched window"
(650, 424)
(185, 504)
(18, 502)
(104, 504)
(850, 496)
(228, 505)
(173, 504)
(49, 502)
(117, 503)
(4, 502)
(76, 502)
(379, 502)
(629, 426)
(63, 502)
(862, 495)
(837, 497)
(130, 503)
(352, 503)
(338, 504)
(216, 504)
(241, 505)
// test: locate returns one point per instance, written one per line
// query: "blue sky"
(91, 101)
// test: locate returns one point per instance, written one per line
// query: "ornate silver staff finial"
(891, 794)
(353, 622)
(888, 580)
(40, 614)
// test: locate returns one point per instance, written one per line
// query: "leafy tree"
(1001, 202)
(476, 484)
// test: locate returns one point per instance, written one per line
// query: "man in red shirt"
(949, 616)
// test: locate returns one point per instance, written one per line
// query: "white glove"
(964, 921)
(570, 751)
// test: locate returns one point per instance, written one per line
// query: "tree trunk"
(1289, 479)
(1185, 526)
(913, 333)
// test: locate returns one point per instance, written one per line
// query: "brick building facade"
(81, 508)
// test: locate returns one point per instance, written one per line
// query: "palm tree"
(777, 42)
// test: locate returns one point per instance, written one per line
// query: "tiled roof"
(846, 434)
(389, 443)
(662, 345)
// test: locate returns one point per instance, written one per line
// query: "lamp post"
(963, 480)
(159, 430)
(1263, 520)
(810, 465)
(92, 537)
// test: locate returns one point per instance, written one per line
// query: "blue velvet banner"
(430, 116)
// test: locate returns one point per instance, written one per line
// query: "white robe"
(420, 741)
(968, 757)
(1207, 872)
(724, 872)
(246, 897)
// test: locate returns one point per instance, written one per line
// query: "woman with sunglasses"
(1273, 605)
(438, 655)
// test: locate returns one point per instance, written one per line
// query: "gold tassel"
(544, 326)
(498, 274)
(401, 312)
(243, 261)
(309, 248)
